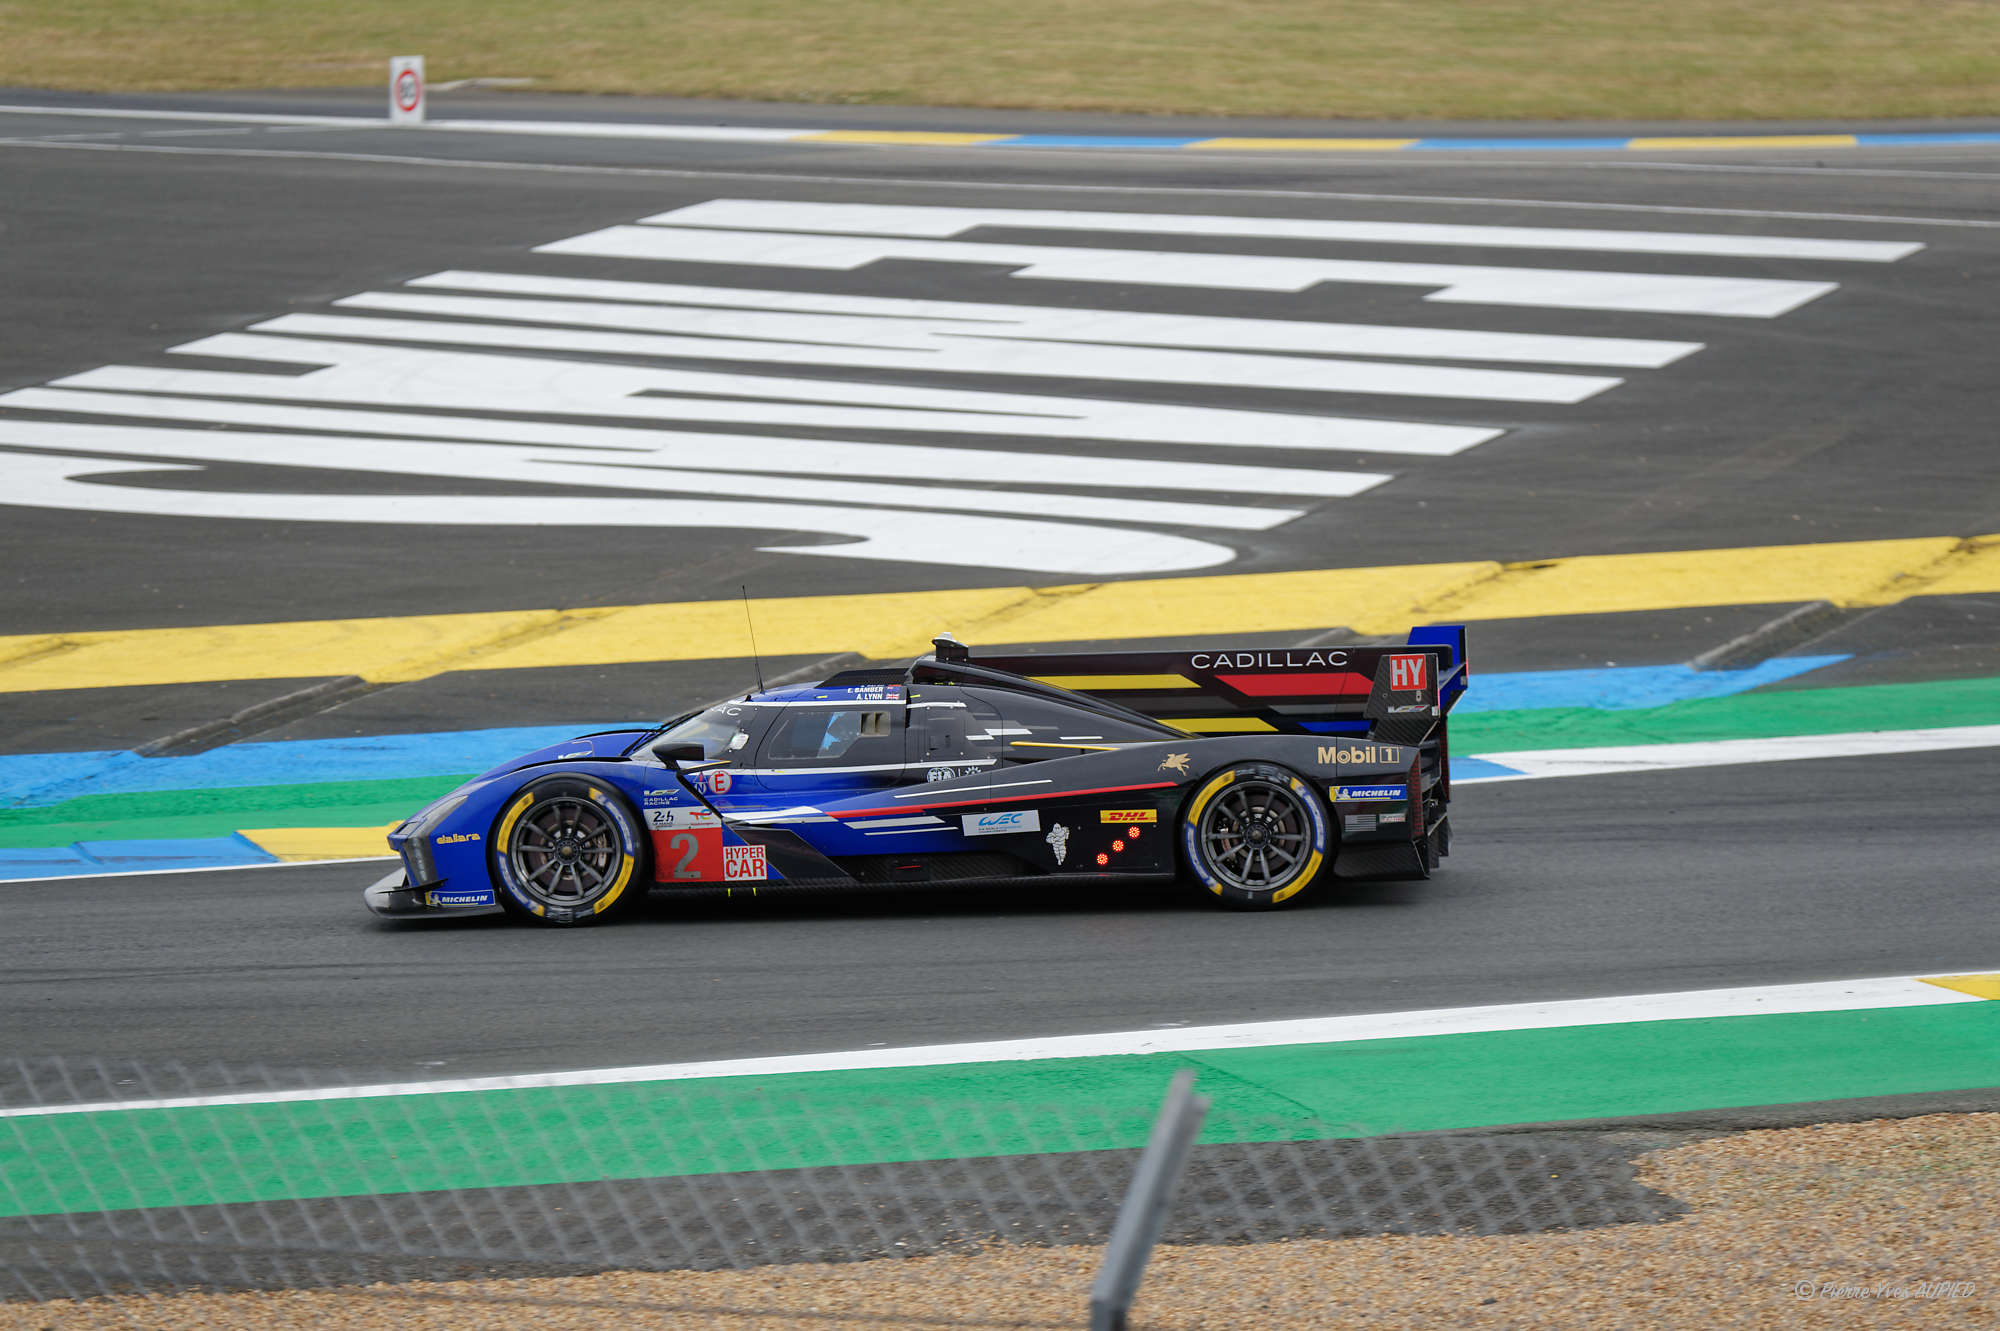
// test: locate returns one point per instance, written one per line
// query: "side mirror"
(682, 752)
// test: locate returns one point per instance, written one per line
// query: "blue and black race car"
(1257, 771)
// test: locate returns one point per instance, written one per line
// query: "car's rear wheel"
(1255, 835)
(567, 850)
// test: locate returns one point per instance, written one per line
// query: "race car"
(1256, 771)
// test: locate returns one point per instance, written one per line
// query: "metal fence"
(517, 1187)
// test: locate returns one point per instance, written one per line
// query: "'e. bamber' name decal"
(1360, 753)
(1286, 660)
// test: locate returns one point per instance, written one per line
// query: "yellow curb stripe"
(1750, 141)
(896, 136)
(1305, 145)
(321, 843)
(887, 625)
(1971, 569)
(1609, 584)
(1979, 986)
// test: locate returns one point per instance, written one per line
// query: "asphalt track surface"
(1555, 889)
(1863, 415)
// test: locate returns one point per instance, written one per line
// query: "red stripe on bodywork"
(1299, 682)
(999, 799)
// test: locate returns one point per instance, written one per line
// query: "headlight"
(416, 834)
(427, 819)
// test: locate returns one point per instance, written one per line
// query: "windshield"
(720, 731)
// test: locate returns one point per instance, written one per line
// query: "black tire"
(567, 850)
(1256, 835)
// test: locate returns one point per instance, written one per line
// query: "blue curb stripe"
(38, 780)
(1479, 769)
(1891, 139)
(220, 852)
(1625, 688)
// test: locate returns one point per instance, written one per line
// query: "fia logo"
(1058, 839)
(1408, 671)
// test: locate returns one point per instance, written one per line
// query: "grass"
(1362, 59)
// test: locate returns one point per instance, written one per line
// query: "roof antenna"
(755, 659)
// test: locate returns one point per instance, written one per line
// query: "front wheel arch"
(615, 850)
(1294, 817)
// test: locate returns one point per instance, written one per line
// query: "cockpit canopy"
(873, 724)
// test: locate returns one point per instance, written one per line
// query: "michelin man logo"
(1058, 839)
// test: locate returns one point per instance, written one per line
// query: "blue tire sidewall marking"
(1190, 824)
(1314, 811)
(1191, 834)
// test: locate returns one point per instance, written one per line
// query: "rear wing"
(1394, 694)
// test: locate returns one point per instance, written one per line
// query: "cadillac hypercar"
(1254, 772)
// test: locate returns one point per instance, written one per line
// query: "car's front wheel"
(1256, 835)
(567, 850)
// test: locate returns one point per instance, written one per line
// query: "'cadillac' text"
(1287, 660)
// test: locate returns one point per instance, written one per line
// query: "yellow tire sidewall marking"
(610, 898)
(1307, 874)
(1201, 799)
(501, 837)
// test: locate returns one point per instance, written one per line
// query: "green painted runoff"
(122, 1159)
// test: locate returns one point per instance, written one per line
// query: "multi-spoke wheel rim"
(565, 852)
(1256, 835)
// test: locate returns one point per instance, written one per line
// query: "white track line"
(1704, 1004)
(219, 117)
(1538, 764)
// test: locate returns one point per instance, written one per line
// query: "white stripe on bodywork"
(872, 767)
(831, 702)
(943, 787)
(801, 813)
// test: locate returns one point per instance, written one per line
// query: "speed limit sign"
(406, 90)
